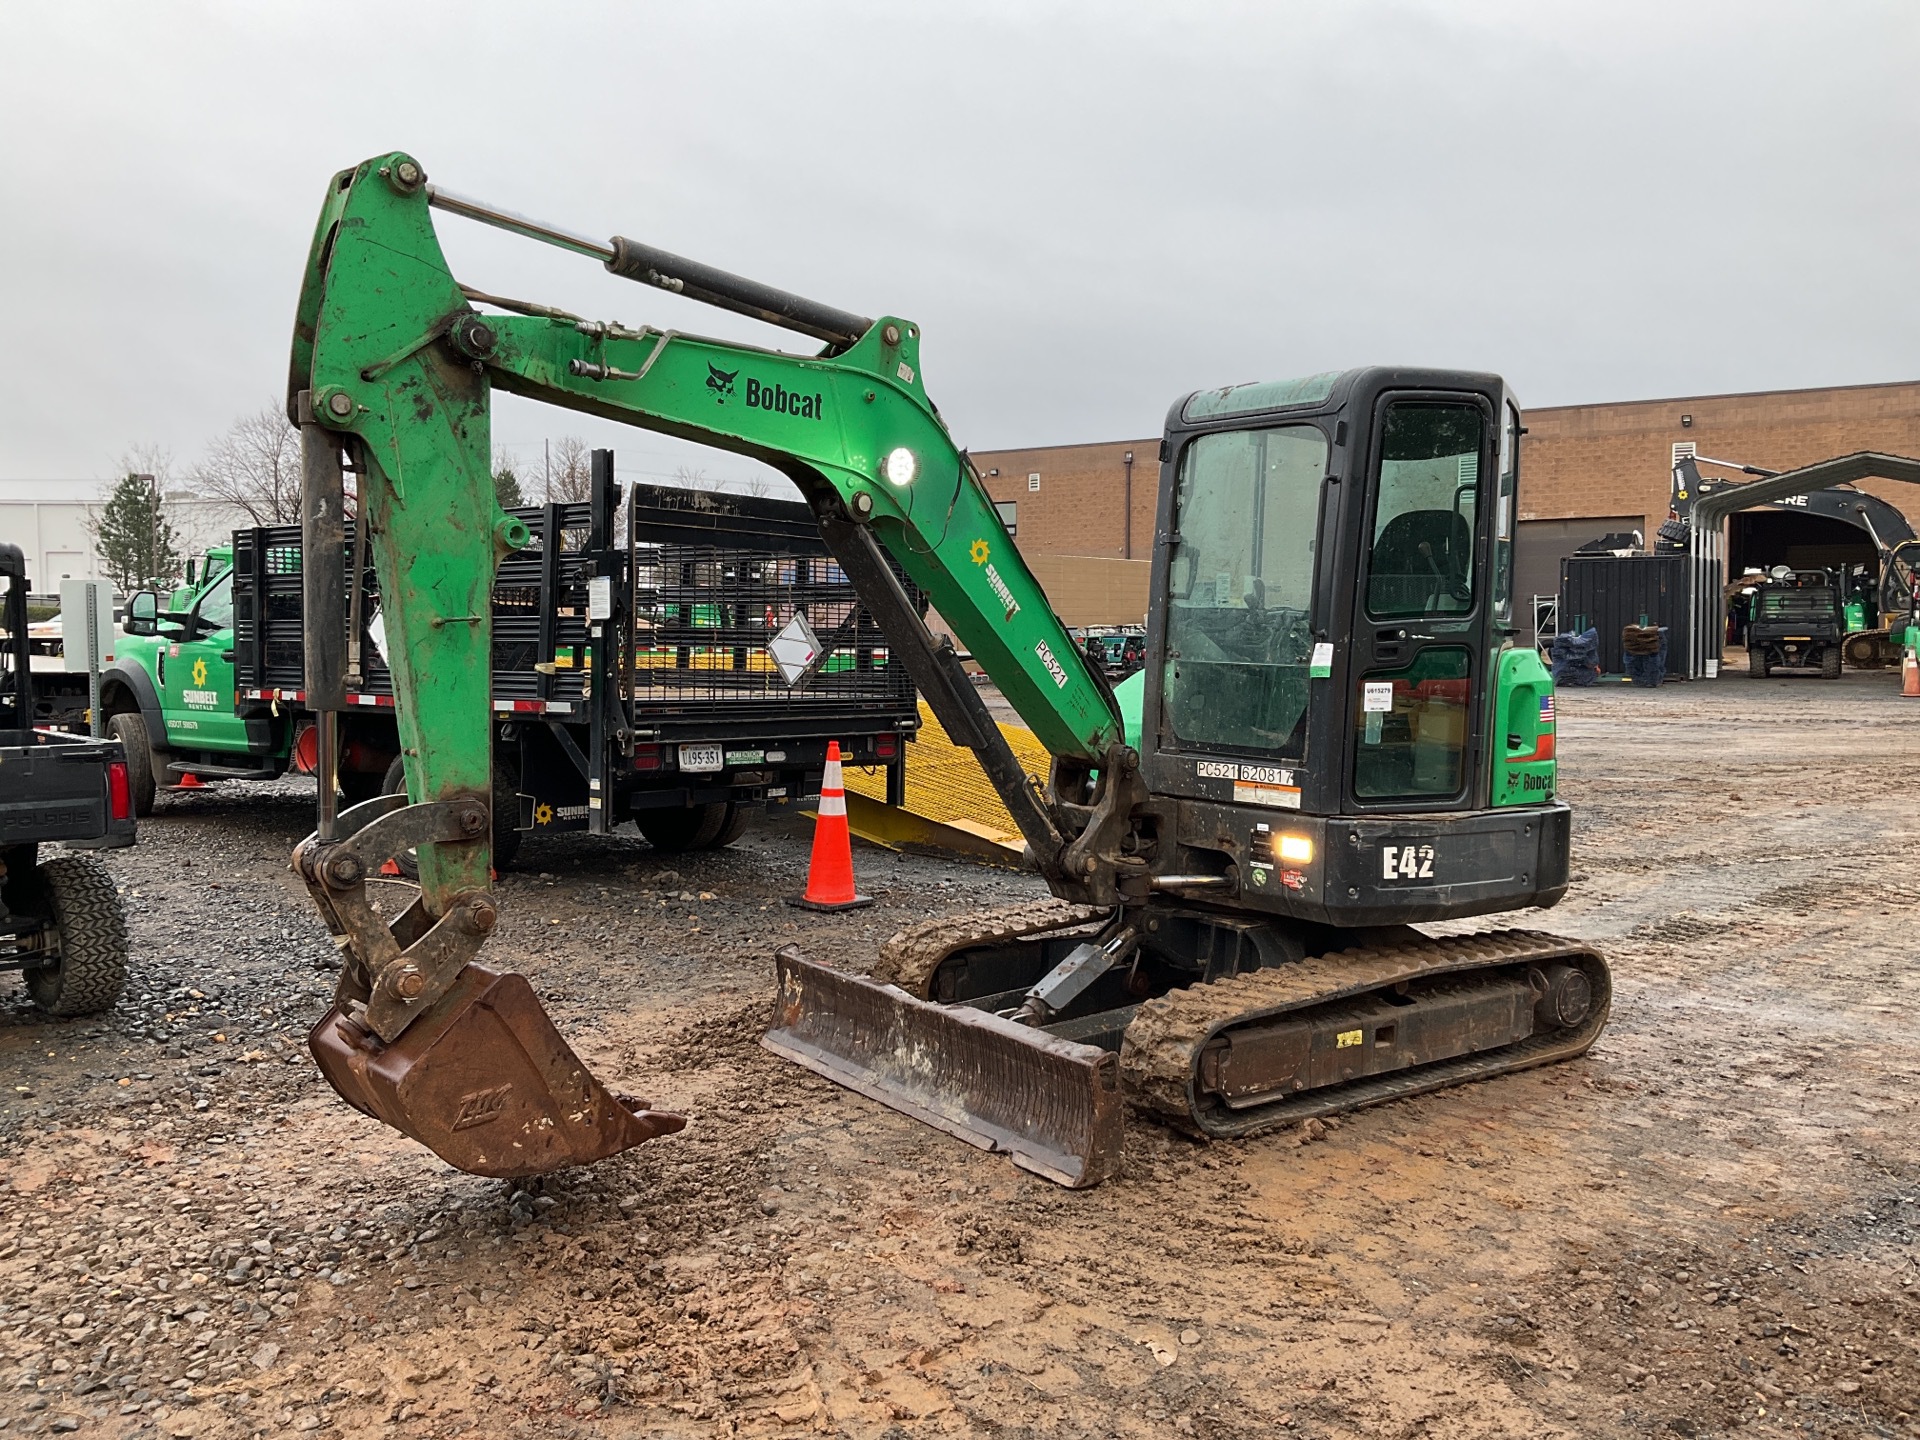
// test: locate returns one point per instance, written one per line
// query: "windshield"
(1241, 583)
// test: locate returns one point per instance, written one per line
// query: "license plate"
(700, 757)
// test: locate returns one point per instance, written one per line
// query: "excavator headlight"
(1296, 849)
(900, 466)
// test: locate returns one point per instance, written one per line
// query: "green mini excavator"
(1333, 741)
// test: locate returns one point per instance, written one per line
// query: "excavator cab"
(1333, 658)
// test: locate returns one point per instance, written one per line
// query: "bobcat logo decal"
(720, 382)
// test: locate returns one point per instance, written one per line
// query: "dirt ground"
(1705, 1227)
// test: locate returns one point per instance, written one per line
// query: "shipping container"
(1612, 591)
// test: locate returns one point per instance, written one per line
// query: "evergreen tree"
(137, 547)
(506, 486)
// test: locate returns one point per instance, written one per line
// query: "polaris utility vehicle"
(1798, 624)
(1337, 737)
(61, 922)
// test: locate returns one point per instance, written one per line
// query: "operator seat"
(1420, 560)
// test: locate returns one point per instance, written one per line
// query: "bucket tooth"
(484, 1080)
(1053, 1106)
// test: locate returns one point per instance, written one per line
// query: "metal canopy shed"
(1706, 616)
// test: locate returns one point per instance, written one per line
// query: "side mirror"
(143, 613)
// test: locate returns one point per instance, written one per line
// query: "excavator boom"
(391, 377)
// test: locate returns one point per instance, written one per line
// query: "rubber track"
(1160, 1053)
(912, 957)
(92, 969)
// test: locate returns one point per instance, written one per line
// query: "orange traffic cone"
(191, 781)
(1910, 675)
(830, 872)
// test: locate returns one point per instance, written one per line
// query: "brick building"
(1586, 470)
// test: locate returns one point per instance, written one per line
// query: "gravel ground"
(1705, 1227)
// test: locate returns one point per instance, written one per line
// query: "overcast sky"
(1090, 209)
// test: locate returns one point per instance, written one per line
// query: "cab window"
(1426, 502)
(216, 606)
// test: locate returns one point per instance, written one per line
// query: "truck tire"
(506, 814)
(696, 827)
(92, 968)
(1757, 661)
(358, 785)
(1830, 662)
(506, 806)
(731, 828)
(130, 729)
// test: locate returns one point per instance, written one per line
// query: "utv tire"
(130, 729)
(506, 815)
(1757, 662)
(697, 827)
(92, 968)
(1830, 663)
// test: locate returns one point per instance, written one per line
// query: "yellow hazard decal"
(980, 552)
(200, 671)
(1348, 1038)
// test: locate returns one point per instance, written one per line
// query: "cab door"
(1422, 607)
(196, 676)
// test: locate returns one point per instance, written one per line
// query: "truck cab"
(170, 693)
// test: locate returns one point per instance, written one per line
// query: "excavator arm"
(393, 366)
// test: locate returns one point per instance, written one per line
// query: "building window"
(1005, 510)
(1033, 480)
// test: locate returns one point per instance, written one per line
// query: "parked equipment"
(1798, 624)
(1894, 596)
(1339, 737)
(61, 921)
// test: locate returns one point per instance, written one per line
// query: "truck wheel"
(358, 785)
(506, 815)
(694, 828)
(92, 968)
(1830, 662)
(130, 729)
(506, 803)
(392, 783)
(731, 828)
(1757, 661)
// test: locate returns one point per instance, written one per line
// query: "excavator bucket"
(484, 1081)
(1052, 1105)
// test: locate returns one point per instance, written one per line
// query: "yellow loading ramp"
(950, 806)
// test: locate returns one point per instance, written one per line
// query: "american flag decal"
(1546, 709)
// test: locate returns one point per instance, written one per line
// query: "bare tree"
(688, 478)
(255, 465)
(569, 478)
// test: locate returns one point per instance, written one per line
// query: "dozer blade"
(484, 1081)
(1052, 1105)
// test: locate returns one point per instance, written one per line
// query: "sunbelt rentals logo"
(200, 697)
(980, 553)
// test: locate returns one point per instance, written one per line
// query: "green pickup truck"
(169, 695)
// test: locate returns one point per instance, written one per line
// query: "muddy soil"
(1706, 1227)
